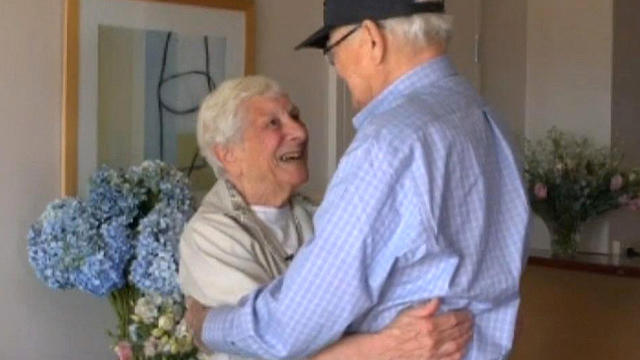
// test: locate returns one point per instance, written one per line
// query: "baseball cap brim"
(342, 12)
(317, 40)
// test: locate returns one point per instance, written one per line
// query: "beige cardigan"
(226, 251)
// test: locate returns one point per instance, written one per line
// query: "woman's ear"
(377, 42)
(228, 158)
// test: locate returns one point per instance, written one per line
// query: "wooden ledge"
(595, 263)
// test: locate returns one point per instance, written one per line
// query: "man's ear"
(377, 41)
(227, 156)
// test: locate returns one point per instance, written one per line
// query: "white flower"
(182, 331)
(157, 332)
(174, 346)
(155, 299)
(133, 333)
(146, 310)
(150, 347)
(166, 322)
(165, 345)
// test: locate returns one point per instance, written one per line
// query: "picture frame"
(229, 25)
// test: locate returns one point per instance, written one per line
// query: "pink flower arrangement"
(571, 180)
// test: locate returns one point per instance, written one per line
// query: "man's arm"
(332, 280)
(415, 334)
(217, 269)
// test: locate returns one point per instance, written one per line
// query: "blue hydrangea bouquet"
(122, 243)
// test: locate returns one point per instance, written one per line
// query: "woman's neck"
(263, 195)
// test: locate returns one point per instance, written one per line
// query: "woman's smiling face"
(272, 154)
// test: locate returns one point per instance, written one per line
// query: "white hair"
(221, 118)
(421, 29)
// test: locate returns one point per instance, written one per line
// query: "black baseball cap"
(345, 12)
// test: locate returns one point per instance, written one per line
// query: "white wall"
(625, 124)
(282, 24)
(466, 27)
(568, 84)
(38, 323)
(504, 59)
(569, 50)
(117, 106)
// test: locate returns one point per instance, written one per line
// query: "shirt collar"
(422, 75)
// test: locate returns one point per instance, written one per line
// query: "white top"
(282, 224)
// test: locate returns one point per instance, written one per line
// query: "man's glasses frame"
(327, 51)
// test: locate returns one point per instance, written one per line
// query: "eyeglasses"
(327, 51)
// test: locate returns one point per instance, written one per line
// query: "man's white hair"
(221, 118)
(421, 29)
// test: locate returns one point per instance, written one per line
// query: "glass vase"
(564, 241)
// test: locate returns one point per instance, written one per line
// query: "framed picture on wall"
(135, 74)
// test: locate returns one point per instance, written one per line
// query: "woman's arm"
(415, 334)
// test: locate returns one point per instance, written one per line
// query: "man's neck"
(404, 61)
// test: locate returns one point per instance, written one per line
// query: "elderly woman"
(252, 222)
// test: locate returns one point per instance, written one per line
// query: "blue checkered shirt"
(427, 202)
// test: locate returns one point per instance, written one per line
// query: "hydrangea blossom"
(98, 276)
(53, 242)
(162, 183)
(104, 271)
(111, 195)
(69, 248)
(123, 242)
(155, 268)
(118, 238)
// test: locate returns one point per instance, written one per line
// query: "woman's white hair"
(221, 118)
(421, 29)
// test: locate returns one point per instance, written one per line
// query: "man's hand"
(195, 315)
(418, 333)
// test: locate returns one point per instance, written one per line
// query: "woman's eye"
(274, 122)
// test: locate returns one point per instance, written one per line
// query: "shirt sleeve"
(329, 284)
(216, 266)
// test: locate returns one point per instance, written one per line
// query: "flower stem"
(123, 303)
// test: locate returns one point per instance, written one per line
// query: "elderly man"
(252, 222)
(427, 201)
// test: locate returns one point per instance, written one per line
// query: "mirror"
(136, 72)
